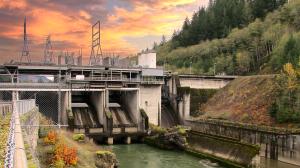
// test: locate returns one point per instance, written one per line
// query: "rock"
(105, 159)
(174, 138)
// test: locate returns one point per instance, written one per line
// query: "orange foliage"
(51, 138)
(65, 153)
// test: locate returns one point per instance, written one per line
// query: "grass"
(86, 150)
(4, 128)
(246, 99)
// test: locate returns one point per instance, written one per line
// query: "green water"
(144, 156)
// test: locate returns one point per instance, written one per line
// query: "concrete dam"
(105, 101)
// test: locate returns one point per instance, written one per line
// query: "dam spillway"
(99, 101)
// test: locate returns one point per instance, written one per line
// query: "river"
(144, 156)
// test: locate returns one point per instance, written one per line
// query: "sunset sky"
(127, 26)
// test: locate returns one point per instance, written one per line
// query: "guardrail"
(15, 153)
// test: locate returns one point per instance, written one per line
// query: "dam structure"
(100, 101)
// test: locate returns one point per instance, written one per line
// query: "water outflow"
(168, 116)
(144, 156)
(84, 117)
(120, 117)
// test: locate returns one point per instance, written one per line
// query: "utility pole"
(25, 51)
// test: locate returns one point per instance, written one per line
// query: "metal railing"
(15, 144)
(24, 106)
(10, 148)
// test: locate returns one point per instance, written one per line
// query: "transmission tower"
(25, 51)
(96, 57)
(48, 52)
(69, 58)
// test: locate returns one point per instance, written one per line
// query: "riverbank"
(227, 152)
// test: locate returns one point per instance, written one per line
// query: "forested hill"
(237, 37)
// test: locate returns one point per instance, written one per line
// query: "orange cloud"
(13, 4)
(74, 26)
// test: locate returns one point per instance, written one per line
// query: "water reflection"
(268, 163)
(144, 156)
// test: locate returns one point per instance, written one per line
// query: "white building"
(147, 59)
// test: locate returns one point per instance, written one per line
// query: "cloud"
(124, 23)
(13, 4)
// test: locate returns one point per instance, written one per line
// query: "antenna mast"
(25, 51)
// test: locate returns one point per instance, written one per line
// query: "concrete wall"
(224, 149)
(130, 100)
(198, 83)
(184, 107)
(97, 99)
(150, 101)
(65, 104)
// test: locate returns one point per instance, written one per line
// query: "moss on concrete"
(220, 161)
(224, 150)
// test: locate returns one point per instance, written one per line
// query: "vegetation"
(198, 98)
(54, 151)
(233, 46)
(104, 152)
(286, 109)
(66, 154)
(157, 129)
(4, 128)
(218, 19)
(78, 137)
(246, 99)
(51, 138)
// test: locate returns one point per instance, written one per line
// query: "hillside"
(246, 99)
(261, 47)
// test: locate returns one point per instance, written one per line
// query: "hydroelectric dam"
(92, 100)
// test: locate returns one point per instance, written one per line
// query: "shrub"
(43, 131)
(181, 130)
(78, 137)
(51, 138)
(59, 164)
(157, 129)
(65, 153)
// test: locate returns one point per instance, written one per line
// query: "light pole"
(214, 69)
(191, 67)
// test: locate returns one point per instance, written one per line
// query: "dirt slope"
(246, 99)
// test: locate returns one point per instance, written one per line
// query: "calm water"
(144, 156)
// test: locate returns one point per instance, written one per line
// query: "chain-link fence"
(30, 105)
(48, 102)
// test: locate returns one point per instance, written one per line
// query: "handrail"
(15, 153)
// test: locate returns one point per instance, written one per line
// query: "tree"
(155, 46)
(163, 40)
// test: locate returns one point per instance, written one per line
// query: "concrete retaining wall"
(150, 101)
(224, 150)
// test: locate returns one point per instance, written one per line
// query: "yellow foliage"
(292, 75)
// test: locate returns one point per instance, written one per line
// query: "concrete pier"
(128, 140)
(110, 141)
